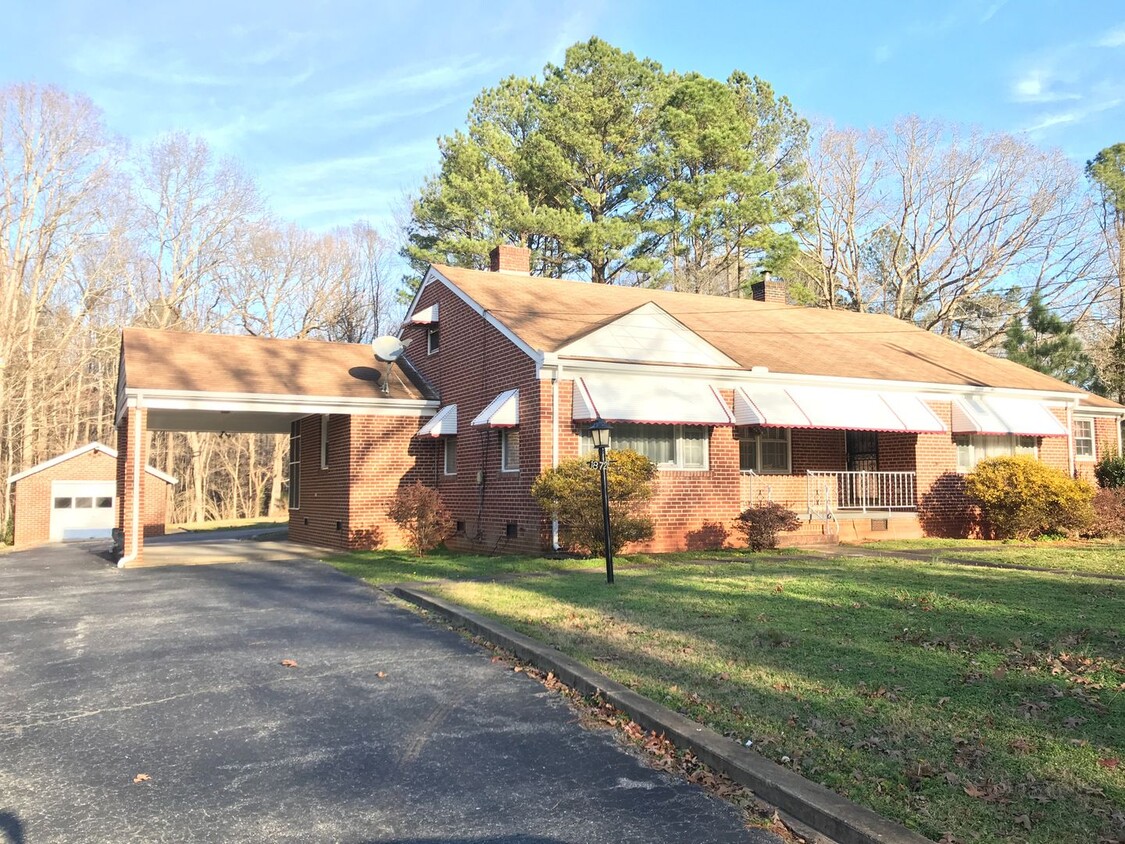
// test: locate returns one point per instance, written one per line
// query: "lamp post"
(599, 433)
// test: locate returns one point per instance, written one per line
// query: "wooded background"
(607, 167)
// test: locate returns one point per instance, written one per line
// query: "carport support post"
(131, 461)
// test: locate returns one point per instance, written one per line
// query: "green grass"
(900, 684)
(378, 567)
(226, 524)
(1090, 556)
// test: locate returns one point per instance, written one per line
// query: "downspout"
(137, 457)
(1070, 437)
(555, 444)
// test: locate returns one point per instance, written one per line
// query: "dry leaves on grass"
(1111, 763)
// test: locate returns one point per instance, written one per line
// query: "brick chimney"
(769, 290)
(506, 258)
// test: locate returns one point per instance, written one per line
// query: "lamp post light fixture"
(599, 433)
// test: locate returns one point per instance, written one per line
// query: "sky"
(336, 106)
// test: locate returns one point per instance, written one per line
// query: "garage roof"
(78, 452)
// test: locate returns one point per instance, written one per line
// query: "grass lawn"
(1099, 557)
(225, 524)
(984, 703)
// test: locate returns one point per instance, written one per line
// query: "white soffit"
(502, 412)
(426, 316)
(441, 424)
(1025, 417)
(829, 408)
(660, 401)
(648, 334)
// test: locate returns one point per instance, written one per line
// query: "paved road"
(174, 673)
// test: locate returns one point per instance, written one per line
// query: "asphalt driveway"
(175, 673)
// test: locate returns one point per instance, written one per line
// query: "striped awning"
(645, 399)
(993, 415)
(831, 408)
(441, 424)
(502, 412)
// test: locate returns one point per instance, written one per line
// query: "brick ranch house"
(862, 423)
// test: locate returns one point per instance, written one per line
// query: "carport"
(182, 382)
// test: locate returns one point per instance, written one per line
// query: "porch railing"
(831, 491)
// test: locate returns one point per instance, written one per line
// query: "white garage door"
(81, 509)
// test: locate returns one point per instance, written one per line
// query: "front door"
(860, 491)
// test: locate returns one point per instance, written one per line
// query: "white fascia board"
(535, 354)
(284, 404)
(1080, 411)
(62, 458)
(730, 378)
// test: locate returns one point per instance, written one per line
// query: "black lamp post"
(599, 433)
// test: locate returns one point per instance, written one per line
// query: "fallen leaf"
(1111, 762)
(382, 675)
(1024, 821)
(141, 778)
(289, 663)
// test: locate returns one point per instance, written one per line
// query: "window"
(83, 503)
(62, 503)
(295, 466)
(432, 340)
(973, 448)
(668, 446)
(510, 450)
(104, 503)
(1084, 439)
(764, 450)
(450, 455)
(324, 441)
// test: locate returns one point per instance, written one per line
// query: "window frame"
(293, 497)
(433, 340)
(752, 434)
(506, 435)
(449, 447)
(679, 439)
(1088, 420)
(975, 442)
(324, 441)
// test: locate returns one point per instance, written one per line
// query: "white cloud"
(1113, 38)
(1039, 85)
(1075, 115)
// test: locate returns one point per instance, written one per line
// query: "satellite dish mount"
(387, 349)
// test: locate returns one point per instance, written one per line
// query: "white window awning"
(502, 412)
(657, 401)
(831, 408)
(441, 424)
(426, 316)
(993, 415)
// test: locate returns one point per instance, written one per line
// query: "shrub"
(419, 511)
(1021, 498)
(1109, 512)
(572, 493)
(761, 525)
(1110, 472)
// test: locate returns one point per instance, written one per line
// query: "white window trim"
(433, 333)
(504, 434)
(1013, 440)
(447, 444)
(1093, 438)
(756, 438)
(294, 437)
(324, 441)
(586, 446)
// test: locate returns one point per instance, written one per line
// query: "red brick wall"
(33, 496)
(1105, 442)
(474, 364)
(369, 458)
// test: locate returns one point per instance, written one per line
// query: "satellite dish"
(387, 348)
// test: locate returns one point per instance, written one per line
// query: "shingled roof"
(547, 314)
(225, 363)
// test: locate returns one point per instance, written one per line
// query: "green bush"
(1020, 498)
(572, 493)
(1110, 472)
(761, 525)
(419, 511)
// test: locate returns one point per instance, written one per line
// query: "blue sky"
(336, 106)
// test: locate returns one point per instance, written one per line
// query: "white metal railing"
(764, 493)
(831, 491)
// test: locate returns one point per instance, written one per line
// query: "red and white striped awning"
(441, 424)
(502, 412)
(832, 408)
(993, 415)
(645, 399)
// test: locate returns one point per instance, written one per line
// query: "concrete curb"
(812, 804)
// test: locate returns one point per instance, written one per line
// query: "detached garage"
(74, 496)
